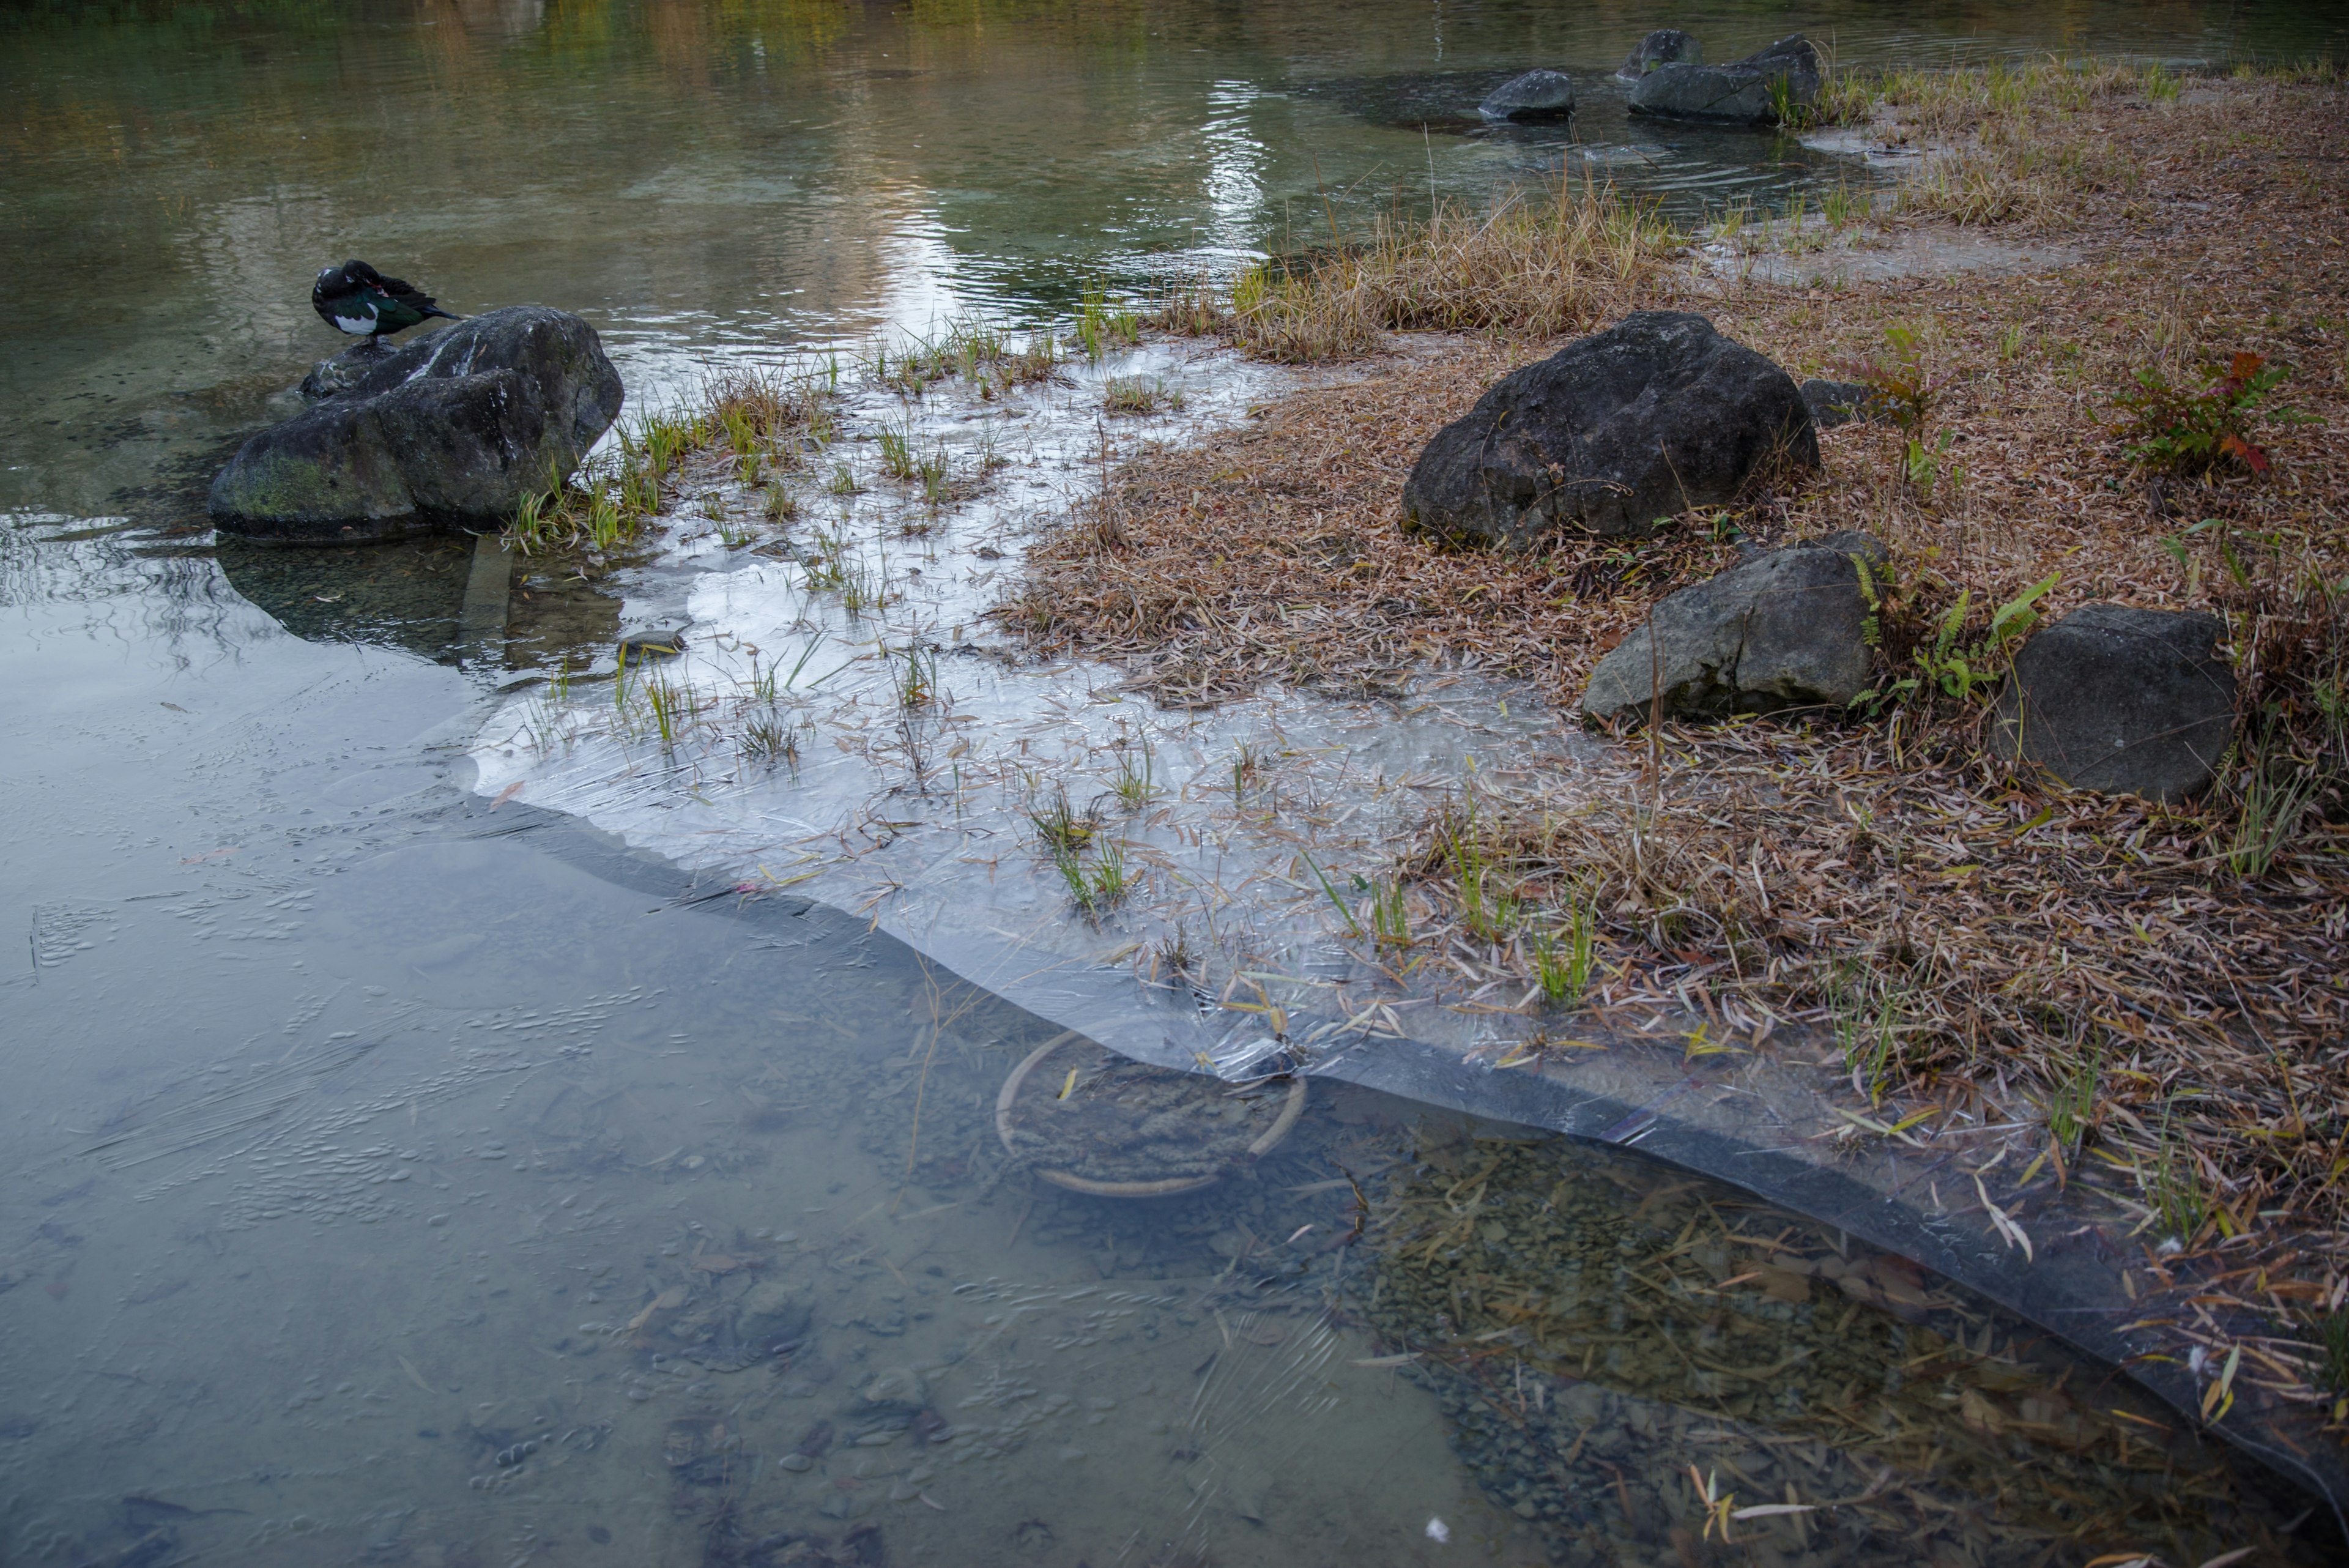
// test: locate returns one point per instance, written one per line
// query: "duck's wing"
(405, 293)
(414, 298)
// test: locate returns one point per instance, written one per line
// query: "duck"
(357, 299)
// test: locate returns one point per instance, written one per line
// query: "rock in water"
(1786, 628)
(1664, 46)
(1656, 414)
(1536, 95)
(2122, 700)
(453, 430)
(1755, 91)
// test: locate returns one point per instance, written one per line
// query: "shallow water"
(400, 1174)
(708, 180)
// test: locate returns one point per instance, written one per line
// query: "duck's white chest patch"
(357, 325)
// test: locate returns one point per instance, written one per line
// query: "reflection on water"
(738, 180)
(409, 595)
(403, 1175)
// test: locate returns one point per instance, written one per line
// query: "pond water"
(408, 1170)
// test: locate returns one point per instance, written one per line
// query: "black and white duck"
(356, 298)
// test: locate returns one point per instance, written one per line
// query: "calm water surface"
(392, 1177)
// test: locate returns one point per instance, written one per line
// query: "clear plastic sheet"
(1204, 908)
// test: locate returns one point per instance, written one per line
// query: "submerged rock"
(2121, 701)
(1786, 628)
(1657, 414)
(455, 429)
(1755, 91)
(1664, 46)
(1536, 95)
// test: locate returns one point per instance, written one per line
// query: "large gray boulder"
(1785, 628)
(1536, 95)
(450, 430)
(1751, 91)
(2121, 701)
(1654, 415)
(1664, 46)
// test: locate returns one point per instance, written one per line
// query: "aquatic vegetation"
(1390, 914)
(1059, 825)
(978, 352)
(1140, 395)
(1104, 326)
(673, 709)
(767, 739)
(1136, 783)
(935, 473)
(914, 674)
(898, 451)
(747, 421)
(825, 566)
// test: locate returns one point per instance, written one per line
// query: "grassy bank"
(2161, 991)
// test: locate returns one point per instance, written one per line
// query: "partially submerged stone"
(1757, 90)
(2121, 701)
(1655, 415)
(1785, 628)
(1664, 46)
(1536, 95)
(451, 431)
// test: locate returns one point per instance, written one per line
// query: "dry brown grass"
(1543, 265)
(1996, 938)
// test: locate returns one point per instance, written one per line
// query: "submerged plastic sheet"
(1180, 885)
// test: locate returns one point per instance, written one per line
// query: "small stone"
(796, 1463)
(1536, 95)
(658, 642)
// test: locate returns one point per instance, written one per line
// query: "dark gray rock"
(2121, 701)
(1834, 403)
(1744, 92)
(1654, 415)
(1536, 95)
(451, 431)
(1664, 46)
(658, 642)
(1785, 628)
(333, 377)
